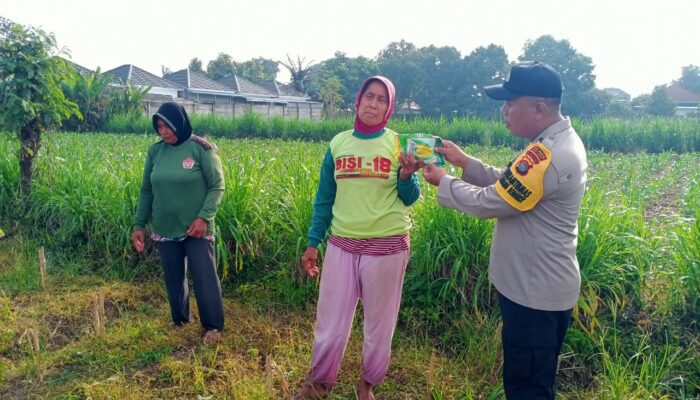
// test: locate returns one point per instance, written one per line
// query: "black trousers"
(199, 255)
(532, 341)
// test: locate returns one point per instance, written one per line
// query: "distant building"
(280, 99)
(686, 102)
(618, 94)
(129, 74)
(230, 96)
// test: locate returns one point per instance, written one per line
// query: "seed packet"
(422, 146)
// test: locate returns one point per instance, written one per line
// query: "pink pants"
(346, 278)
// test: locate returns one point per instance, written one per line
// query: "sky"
(634, 45)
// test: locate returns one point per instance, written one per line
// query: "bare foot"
(211, 336)
(364, 391)
(311, 391)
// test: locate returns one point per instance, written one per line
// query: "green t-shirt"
(180, 183)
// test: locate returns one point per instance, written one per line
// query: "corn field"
(639, 235)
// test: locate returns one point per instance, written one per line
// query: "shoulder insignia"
(521, 185)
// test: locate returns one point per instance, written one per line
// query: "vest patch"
(188, 163)
(521, 185)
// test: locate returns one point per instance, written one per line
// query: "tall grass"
(653, 135)
(86, 189)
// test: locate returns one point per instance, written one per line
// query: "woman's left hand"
(197, 228)
(409, 165)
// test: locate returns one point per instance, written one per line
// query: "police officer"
(535, 201)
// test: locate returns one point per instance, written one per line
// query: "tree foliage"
(258, 69)
(300, 70)
(690, 78)
(31, 99)
(89, 92)
(484, 66)
(576, 69)
(196, 65)
(349, 73)
(399, 62)
(127, 100)
(659, 103)
(220, 67)
(330, 95)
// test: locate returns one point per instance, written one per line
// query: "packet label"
(422, 146)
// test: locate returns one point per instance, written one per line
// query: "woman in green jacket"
(183, 184)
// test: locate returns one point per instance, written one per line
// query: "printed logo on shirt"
(355, 167)
(521, 185)
(188, 163)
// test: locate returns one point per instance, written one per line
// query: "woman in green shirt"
(183, 184)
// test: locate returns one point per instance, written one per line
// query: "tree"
(690, 78)
(89, 92)
(330, 96)
(196, 65)
(127, 100)
(258, 69)
(31, 100)
(299, 70)
(484, 66)
(349, 72)
(659, 103)
(399, 62)
(221, 67)
(576, 72)
(443, 80)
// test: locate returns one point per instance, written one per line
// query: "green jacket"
(180, 183)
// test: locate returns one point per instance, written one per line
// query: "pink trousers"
(345, 279)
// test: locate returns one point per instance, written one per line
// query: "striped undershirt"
(374, 246)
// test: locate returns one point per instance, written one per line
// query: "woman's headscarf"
(175, 117)
(359, 125)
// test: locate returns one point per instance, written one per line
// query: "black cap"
(175, 116)
(530, 78)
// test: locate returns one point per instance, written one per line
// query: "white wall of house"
(163, 91)
(682, 111)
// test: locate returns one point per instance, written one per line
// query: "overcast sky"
(635, 45)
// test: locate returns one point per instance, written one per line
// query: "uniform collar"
(553, 130)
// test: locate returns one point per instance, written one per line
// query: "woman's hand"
(138, 239)
(409, 165)
(308, 261)
(453, 154)
(197, 228)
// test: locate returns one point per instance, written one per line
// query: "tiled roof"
(288, 90)
(244, 86)
(678, 94)
(133, 75)
(193, 81)
(270, 86)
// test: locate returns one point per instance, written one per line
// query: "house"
(230, 96)
(686, 102)
(618, 94)
(160, 89)
(207, 95)
(280, 99)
